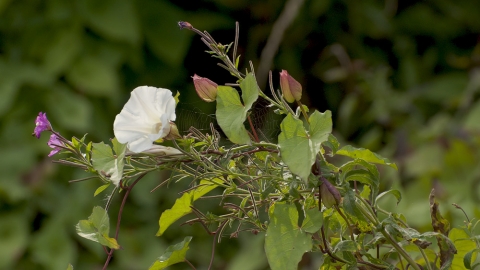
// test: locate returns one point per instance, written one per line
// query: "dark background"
(401, 78)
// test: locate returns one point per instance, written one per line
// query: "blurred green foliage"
(402, 78)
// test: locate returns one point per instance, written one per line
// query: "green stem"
(260, 93)
(303, 111)
(400, 250)
(388, 237)
(265, 144)
(346, 221)
(429, 267)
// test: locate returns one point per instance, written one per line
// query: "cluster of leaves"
(301, 192)
(78, 59)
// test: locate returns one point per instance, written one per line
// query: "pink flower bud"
(206, 89)
(291, 89)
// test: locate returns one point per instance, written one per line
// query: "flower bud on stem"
(291, 88)
(206, 89)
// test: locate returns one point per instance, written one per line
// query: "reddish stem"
(119, 219)
(253, 129)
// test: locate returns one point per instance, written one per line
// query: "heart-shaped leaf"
(97, 227)
(174, 254)
(231, 113)
(299, 147)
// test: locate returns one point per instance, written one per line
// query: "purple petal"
(41, 124)
(54, 151)
(54, 143)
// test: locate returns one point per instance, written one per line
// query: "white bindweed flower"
(145, 118)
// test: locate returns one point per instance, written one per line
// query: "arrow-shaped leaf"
(183, 205)
(231, 113)
(298, 147)
(96, 228)
(108, 164)
(365, 154)
(174, 254)
(285, 241)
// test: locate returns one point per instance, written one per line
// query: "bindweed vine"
(306, 192)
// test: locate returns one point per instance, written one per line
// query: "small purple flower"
(54, 143)
(41, 124)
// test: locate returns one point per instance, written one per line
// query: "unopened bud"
(291, 89)
(329, 194)
(206, 89)
(186, 25)
(173, 134)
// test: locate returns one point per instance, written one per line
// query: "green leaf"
(365, 192)
(76, 144)
(467, 259)
(394, 192)
(463, 246)
(332, 143)
(69, 267)
(88, 150)
(409, 234)
(370, 176)
(182, 205)
(365, 154)
(96, 228)
(347, 245)
(174, 254)
(101, 189)
(299, 147)
(231, 113)
(285, 242)
(351, 208)
(362, 176)
(108, 164)
(313, 220)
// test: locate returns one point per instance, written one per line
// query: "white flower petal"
(139, 145)
(145, 118)
(161, 151)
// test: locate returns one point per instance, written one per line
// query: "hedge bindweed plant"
(295, 190)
